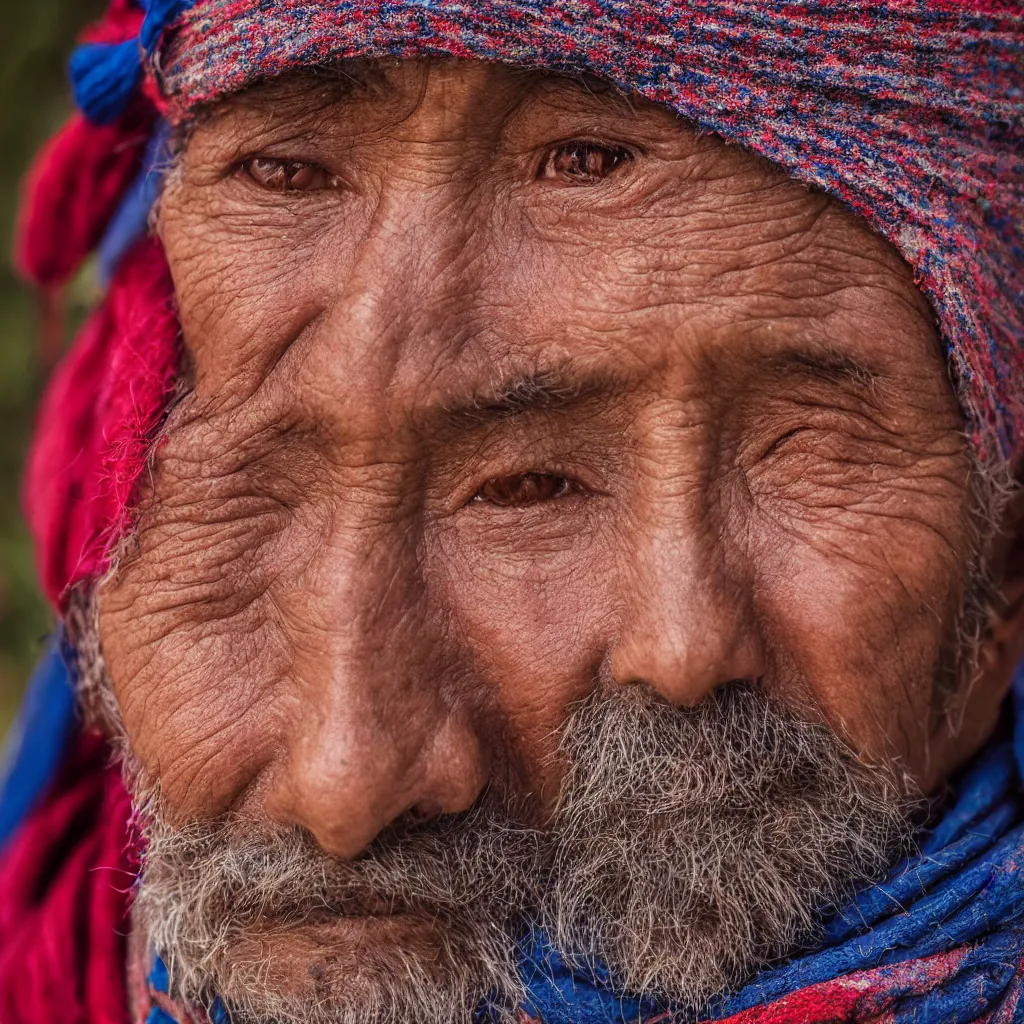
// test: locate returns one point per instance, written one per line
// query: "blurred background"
(34, 100)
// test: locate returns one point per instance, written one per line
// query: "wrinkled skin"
(479, 416)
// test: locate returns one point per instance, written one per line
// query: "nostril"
(426, 809)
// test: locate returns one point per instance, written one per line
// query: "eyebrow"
(825, 364)
(329, 84)
(557, 388)
(521, 393)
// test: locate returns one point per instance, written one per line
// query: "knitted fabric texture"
(97, 421)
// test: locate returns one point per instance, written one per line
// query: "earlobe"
(1002, 642)
(1001, 636)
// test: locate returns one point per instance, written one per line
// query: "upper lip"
(341, 909)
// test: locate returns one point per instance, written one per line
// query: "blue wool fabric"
(131, 221)
(105, 76)
(35, 746)
(160, 983)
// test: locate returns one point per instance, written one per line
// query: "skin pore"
(503, 386)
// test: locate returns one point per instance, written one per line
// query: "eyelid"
(783, 439)
(634, 147)
(299, 150)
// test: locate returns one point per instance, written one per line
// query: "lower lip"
(328, 931)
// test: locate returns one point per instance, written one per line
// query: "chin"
(392, 969)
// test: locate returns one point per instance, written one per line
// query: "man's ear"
(1001, 648)
(971, 714)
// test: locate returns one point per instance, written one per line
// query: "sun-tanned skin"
(518, 386)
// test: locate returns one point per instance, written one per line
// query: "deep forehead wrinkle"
(299, 98)
(562, 386)
(329, 84)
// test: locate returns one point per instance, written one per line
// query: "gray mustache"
(437, 867)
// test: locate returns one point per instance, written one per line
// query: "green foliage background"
(34, 46)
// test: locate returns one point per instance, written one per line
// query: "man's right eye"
(582, 163)
(525, 489)
(287, 175)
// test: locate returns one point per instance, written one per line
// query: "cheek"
(861, 609)
(196, 699)
(193, 647)
(249, 279)
(531, 596)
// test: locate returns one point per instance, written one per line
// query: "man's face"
(508, 395)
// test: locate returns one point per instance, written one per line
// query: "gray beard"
(690, 848)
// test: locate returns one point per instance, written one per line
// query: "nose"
(375, 724)
(361, 765)
(376, 727)
(688, 625)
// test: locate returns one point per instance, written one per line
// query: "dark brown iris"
(524, 489)
(583, 162)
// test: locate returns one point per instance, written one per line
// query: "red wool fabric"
(81, 175)
(67, 875)
(97, 421)
(65, 881)
(58, 230)
(104, 404)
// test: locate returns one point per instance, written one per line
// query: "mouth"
(333, 931)
(356, 939)
(344, 920)
(351, 910)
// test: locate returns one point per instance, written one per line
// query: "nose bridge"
(413, 246)
(688, 622)
(378, 727)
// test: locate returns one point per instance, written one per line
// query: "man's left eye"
(582, 162)
(287, 175)
(525, 489)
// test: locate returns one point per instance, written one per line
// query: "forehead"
(458, 102)
(697, 245)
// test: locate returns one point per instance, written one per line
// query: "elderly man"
(533, 518)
